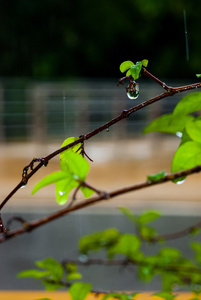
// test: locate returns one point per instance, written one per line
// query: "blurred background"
(59, 68)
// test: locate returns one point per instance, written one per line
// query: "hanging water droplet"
(107, 129)
(23, 186)
(133, 90)
(179, 134)
(83, 258)
(180, 181)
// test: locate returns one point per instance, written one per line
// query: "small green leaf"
(51, 178)
(126, 65)
(87, 192)
(168, 123)
(145, 62)
(170, 254)
(156, 177)
(148, 216)
(127, 245)
(198, 75)
(72, 273)
(187, 156)
(128, 73)
(51, 285)
(146, 272)
(79, 290)
(54, 267)
(189, 104)
(74, 148)
(147, 232)
(37, 274)
(165, 295)
(128, 213)
(135, 70)
(98, 240)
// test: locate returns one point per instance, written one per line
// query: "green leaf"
(165, 295)
(193, 129)
(128, 213)
(148, 216)
(127, 245)
(54, 267)
(51, 178)
(87, 192)
(146, 272)
(170, 254)
(135, 70)
(73, 276)
(37, 274)
(147, 232)
(168, 123)
(98, 240)
(79, 290)
(145, 62)
(156, 177)
(187, 156)
(51, 285)
(198, 75)
(72, 273)
(189, 104)
(126, 65)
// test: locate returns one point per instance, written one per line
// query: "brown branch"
(103, 196)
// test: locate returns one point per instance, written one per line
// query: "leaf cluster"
(168, 262)
(133, 69)
(74, 169)
(183, 122)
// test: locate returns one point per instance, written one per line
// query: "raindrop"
(107, 129)
(179, 134)
(83, 258)
(23, 186)
(180, 181)
(133, 90)
(61, 193)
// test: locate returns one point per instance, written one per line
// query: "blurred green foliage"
(63, 38)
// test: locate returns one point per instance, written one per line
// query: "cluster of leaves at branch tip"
(185, 122)
(134, 70)
(74, 169)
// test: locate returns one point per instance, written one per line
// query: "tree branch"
(169, 91)
(101, 197)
